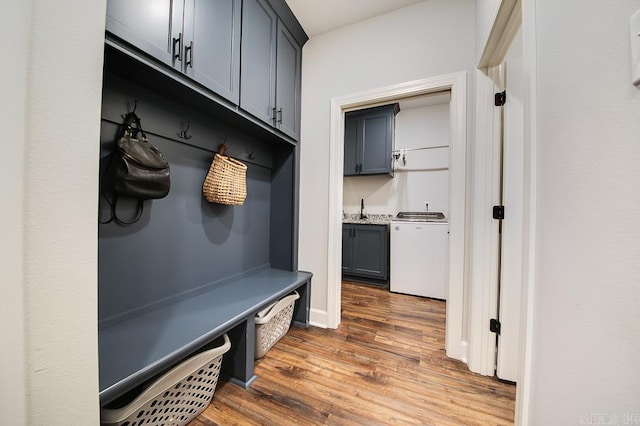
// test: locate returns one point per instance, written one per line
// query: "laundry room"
(395, 213)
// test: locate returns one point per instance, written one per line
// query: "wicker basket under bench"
(133, 351)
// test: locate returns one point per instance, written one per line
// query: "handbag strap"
(119, 221)
(129, 120)
(113, 214)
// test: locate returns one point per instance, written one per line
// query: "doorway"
(456, 84)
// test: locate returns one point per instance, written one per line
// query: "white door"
(512, 231)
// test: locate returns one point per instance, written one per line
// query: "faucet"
(362, 216)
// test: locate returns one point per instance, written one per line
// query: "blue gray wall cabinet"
(369, 141)
(271, 69)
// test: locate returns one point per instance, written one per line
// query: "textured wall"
(586, 323)
(55, 73)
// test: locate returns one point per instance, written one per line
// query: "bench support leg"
(301, 310)
(239, 362)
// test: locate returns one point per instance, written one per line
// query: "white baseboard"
(318, 318)
(463, 352)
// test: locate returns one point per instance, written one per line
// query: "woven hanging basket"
(226, 181)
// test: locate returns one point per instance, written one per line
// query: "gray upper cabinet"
(288, 75)
(149, 25)
(200, 38)
(258, 73)
(351, 130)
(271, 69)
(368, 141)
(212, 45)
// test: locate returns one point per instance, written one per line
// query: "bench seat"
(136, 349)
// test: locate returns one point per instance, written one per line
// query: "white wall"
(51, 87)
(424, 177)
(13, 86)
(428, 39)
(586, 317)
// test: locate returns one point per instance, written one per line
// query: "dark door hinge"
(498, 212)
(494, 326)
(500, 98)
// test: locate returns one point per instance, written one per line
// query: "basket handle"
(222, 148)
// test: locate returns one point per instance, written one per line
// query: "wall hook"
(251, 155)
(183, 134)
(131, 113)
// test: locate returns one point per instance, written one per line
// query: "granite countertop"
(370, 219)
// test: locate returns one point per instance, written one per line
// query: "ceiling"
(321, 16)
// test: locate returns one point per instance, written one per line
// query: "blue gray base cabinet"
(368, 141)
(365, 252)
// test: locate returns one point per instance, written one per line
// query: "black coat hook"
(251, 155)
(131, 115)
(183, 134)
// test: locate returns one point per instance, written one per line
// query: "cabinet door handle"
(177, 41)
(189, 51)
(279, 120)
(273, 115)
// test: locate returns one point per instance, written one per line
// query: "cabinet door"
(287, 83)
(376, 143)
(370, 251)
(351, 134)
(153, 26)
(347, 230)
(212, 45)
(258, 63)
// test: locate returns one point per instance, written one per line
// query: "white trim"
(529, 48)
(457, 84)
(501, 34)
(514, 23)
(483, 283)
(317, 318)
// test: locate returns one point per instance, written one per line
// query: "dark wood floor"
(384, 365)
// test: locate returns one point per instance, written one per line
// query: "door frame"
(496, 46)
(484, 265)
(455, 346)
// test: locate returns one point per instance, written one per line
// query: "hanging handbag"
(137, 170)
(140, 168)
(226, 181)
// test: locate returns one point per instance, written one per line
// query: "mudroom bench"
(135, 349)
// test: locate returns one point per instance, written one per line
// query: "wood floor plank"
(384, 365)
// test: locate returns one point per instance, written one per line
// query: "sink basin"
(420, 216)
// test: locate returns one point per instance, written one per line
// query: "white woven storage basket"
(177, 397)
(273, 323)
